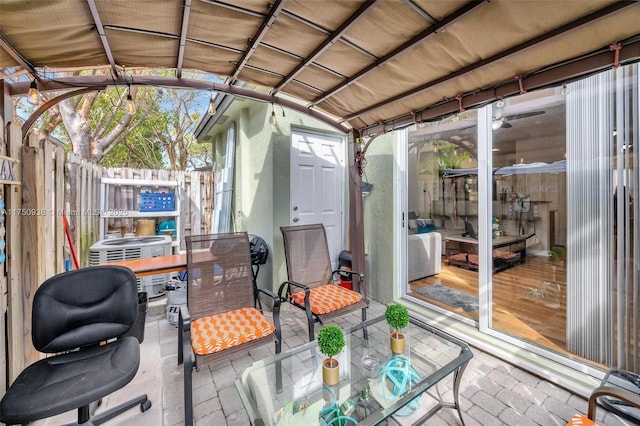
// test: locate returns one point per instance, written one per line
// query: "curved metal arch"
(89, 83)
(26, 127)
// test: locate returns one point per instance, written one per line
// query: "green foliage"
(397, 316)
(448, 157)
(158, 135)
(558, 253)
(330, 340)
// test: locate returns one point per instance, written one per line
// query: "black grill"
(259, 250)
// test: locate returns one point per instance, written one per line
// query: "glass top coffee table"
(287, 389)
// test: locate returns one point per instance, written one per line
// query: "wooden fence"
(40, 185)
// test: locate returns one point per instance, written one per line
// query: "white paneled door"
(317, 185)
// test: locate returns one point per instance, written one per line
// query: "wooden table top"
(495, 242)
(153, 265)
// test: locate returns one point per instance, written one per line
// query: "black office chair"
(72, 314)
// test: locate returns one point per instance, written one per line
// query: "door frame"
(341, 145)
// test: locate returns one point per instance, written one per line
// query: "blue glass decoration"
(398, 375)
(332, 415)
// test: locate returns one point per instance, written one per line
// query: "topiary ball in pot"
(397, 316)
(330, 342)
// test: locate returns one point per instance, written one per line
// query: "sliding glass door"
(564, 176)
(559, 248)
(602, 185)
(529, 210)
(442, 248)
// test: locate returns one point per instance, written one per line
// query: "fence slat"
(50, 216)
(14, 261)
(33, 270)
(62, 252)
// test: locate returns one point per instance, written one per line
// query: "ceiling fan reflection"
(500, 121)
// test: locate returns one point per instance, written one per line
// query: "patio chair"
(628, 381)
(311, 284)
(623, 397)
(81, 317)
(220, 319)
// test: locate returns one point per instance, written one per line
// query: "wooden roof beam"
(17, 56)
(257, 38)
(103, 36)
(458, 14)
(593, 17)
(333, 37)
(549, 76)
(421, 12)
(292, 16)
(327, 32)
(183, 37)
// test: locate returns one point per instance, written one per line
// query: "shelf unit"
(109, 211)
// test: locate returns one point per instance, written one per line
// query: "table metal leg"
(457, 377)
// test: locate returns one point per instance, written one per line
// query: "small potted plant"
(330, 341)
(398, 317)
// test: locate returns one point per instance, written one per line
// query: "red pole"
(65, 225)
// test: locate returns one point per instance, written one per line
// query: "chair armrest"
(616, 392)
(184, 333)
(288, 284)
(184, 318)
(352, 273)
(277, 300)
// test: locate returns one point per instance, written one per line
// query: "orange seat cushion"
(327, 298)
(218, 332)
(580, 420)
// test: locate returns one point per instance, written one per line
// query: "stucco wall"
(261, 198)
(381, 255)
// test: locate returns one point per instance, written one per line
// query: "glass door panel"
(442, 249)
(529, 207)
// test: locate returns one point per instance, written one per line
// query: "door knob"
(295, 220)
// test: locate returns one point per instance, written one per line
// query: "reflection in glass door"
(442, 248)
(560, 230)
(529, 208)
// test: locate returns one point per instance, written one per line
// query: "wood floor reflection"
(529, 300)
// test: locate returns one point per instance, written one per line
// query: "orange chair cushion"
(327, 298)
(222, 331)
(580, 420)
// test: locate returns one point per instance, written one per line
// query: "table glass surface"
(299, 397)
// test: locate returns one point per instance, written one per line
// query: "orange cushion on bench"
(580, 420)
(328, 298)
(222, 331)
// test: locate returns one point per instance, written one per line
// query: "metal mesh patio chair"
(311, 283)
(623, 397)
(220, 319)
(628, 381)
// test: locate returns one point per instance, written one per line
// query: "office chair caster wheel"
(145, 406)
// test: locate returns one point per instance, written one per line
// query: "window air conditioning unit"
(116, 249)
